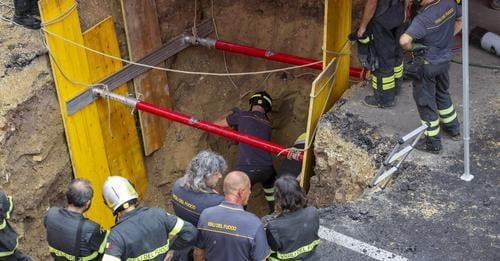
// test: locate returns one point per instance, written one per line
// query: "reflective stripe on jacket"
(293, 235)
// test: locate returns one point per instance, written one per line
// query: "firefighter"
(433, 29)
(293, 167)
(26, 13)
(380, 27)
(195, 191)
(227, 231)
(141, 233)
(8, 236)
(256, 163)
(292, 231)
(70, 235)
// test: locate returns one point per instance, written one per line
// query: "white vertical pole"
(465, 72)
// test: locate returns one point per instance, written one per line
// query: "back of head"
(288, 195)
(235, 181)
(79, 193)
(262, 99)
(205, 164)
(119, 194)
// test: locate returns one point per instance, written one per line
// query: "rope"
(61, 17)
(104, 86)
(293, 153)
(484, 66)
(194, 29)
(336, 53)
(174, 70)
(223, 52)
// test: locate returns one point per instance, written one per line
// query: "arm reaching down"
(222, 121)
(368, 12)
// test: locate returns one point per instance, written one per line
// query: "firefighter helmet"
(118, 193)
(263, 99)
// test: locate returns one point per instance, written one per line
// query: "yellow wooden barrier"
(334, 80)
(121, 140)
(85, 131)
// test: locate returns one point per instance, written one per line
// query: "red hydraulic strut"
(269, 55)
(201, 124)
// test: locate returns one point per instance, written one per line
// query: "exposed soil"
(34, 162)
(274, 25)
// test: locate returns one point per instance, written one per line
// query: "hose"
(488, 66)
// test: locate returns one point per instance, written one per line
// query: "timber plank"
(142, 29)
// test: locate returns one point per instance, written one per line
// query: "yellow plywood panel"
(83, 130)
(338, 21)
(334, 80)
(95, 154)
(121, 141)
(321, 94)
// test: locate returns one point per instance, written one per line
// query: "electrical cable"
(487, 66)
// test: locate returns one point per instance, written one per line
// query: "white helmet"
(118, 191)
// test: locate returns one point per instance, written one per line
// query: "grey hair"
(204, 164)
(79, 192)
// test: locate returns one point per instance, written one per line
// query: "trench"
(268, 25)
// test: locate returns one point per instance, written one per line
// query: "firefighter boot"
(429, 145)
(27, 21)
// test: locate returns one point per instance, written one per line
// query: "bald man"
(227, 231)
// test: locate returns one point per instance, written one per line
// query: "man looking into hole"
(141, 233)
(227, 231)
(195, 192)
(70, 235)
(292, 230)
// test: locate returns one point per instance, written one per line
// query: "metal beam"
(131, 71)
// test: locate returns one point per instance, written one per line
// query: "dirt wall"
(34, 162)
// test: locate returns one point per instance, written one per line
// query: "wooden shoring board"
(121, 140)
(337, 25)
(142, 29)
(83, 129)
